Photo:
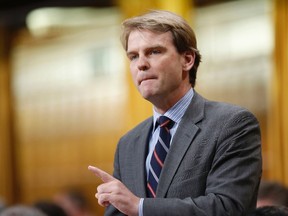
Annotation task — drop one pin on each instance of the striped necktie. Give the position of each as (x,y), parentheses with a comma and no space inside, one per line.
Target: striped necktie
(159,154)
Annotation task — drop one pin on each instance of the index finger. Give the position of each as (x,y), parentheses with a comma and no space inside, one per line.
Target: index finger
(105,177)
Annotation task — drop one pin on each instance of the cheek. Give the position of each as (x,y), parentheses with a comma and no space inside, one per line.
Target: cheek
(173,70)
(133,67)
(133,73)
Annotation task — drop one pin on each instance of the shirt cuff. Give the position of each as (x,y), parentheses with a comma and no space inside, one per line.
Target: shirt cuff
(140,207)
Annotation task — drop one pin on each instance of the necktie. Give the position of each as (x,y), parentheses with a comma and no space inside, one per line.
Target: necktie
(159,154)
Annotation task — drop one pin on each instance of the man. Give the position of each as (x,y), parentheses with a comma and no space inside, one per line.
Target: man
(213,164)
(270,211)
(21,210)
(272,193)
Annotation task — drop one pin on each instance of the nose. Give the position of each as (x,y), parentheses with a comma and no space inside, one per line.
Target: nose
(143,63)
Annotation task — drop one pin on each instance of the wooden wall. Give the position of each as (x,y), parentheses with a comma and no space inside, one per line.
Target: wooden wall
(70,102)
(6,120)
(58,115)
(278,110)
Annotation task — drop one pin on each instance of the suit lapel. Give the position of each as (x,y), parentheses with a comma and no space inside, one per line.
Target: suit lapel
(182,140)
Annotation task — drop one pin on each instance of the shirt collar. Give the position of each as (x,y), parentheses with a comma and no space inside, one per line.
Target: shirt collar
(177,111)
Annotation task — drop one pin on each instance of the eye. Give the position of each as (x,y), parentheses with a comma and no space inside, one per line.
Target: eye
(132,57)
(154,51)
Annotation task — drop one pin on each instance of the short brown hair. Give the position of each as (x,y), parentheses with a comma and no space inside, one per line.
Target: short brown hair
(164,21)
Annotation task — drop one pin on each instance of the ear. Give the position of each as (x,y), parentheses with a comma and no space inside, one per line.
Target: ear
(189,58)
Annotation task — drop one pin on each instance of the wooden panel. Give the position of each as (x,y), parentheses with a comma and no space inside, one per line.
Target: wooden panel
(70,115)
(278,115)
(6,131)
(71,102)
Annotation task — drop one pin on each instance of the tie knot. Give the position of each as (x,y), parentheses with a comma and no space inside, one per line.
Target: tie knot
(165,122)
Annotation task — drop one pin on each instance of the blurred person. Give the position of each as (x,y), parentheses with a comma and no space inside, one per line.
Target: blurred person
(49,208)
(2,204)
(213,165)
(270,211)
(21,210)
(73,202)
(272,193)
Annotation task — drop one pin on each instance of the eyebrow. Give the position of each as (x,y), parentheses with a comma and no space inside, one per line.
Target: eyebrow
(158,46)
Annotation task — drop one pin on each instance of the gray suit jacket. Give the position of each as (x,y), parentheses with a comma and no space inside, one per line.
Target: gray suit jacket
(213,166)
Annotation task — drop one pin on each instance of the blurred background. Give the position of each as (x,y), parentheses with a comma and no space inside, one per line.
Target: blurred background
(66,96)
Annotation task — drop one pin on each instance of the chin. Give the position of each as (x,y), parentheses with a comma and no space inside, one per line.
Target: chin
(146,95)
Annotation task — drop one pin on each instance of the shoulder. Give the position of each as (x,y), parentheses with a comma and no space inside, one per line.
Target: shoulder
(217,114)
(226,111)
(223,110)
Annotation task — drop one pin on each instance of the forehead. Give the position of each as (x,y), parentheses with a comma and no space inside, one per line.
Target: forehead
(139,38)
